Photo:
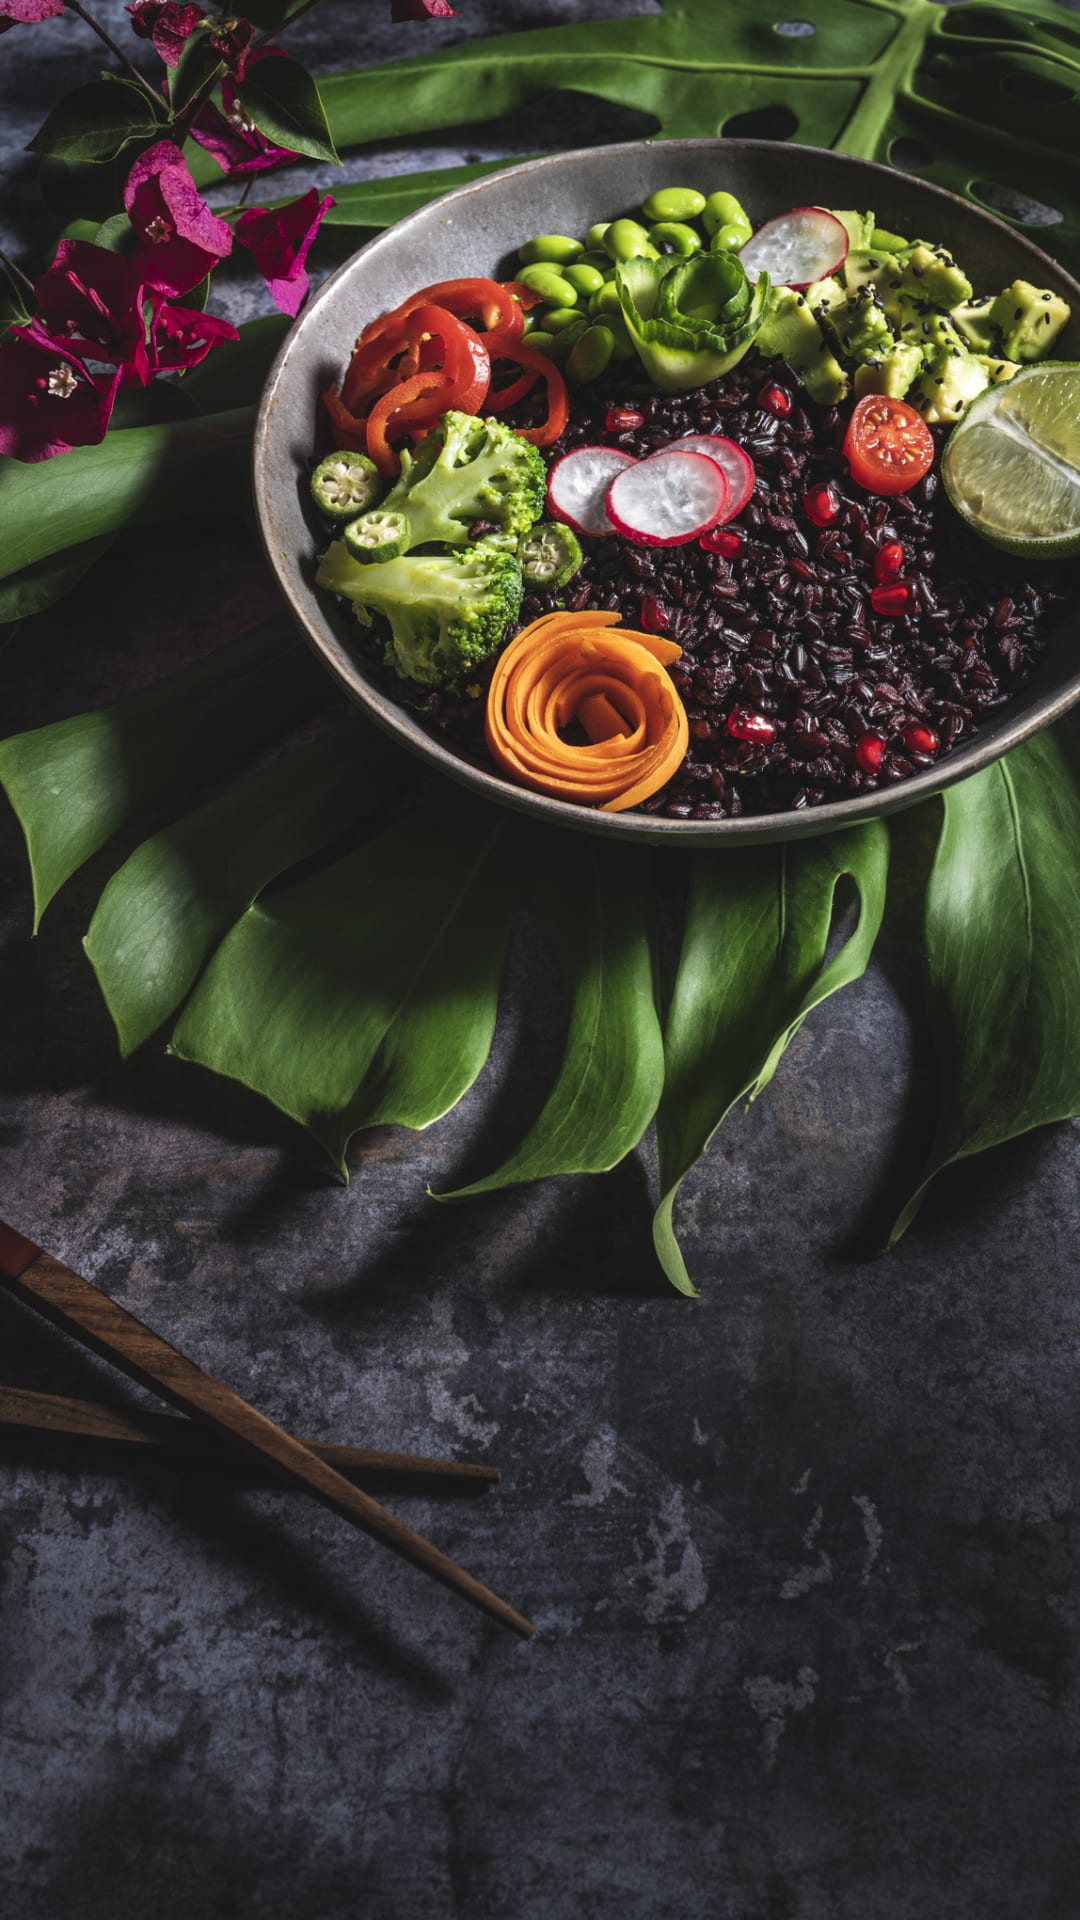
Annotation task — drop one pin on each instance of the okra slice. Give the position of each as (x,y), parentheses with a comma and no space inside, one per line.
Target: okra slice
(550,555)
(377,536)
(345,484)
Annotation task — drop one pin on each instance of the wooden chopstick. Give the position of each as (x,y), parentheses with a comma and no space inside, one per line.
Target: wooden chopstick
(161,1433)
(107,1328)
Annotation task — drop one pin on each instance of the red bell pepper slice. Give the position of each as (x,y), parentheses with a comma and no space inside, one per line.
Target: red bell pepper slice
(500,309)
(385,415)
(519,351)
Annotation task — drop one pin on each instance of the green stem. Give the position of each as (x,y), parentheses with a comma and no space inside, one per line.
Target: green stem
(95,27)
(893,69)
(272,32)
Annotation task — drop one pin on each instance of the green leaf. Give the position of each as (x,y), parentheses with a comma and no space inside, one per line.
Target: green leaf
(74,784)
(752,967)
(199,64)
(1002,953)
(47,581)
(284,102)
(366,994)
(137,474)
(379,203)
(163,913)
(116,235)
(13,308)
(96,122)
(234,374)
(598,903)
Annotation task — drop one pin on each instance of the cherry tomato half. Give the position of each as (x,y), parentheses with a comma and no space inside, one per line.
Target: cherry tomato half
(887,445)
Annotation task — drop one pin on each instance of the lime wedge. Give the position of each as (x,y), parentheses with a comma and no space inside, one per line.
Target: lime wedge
(1011,465)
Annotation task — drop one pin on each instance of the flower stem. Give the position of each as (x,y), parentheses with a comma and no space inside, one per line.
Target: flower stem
(16,272)
(272,32)
(95,27)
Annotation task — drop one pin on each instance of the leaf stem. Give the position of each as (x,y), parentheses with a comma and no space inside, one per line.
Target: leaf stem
(272,32)
(893,69)
(95,27)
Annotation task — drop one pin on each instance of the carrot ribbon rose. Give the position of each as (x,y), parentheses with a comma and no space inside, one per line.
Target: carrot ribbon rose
(570,674)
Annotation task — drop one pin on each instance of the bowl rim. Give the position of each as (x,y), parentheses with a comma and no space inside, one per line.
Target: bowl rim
(397,721)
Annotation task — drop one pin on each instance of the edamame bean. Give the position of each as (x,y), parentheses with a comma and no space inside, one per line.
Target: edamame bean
(605,300)
(628,240)
(561,343)
(541,340)
(556,249)
(589,355)
(623,347)
(596,257)
(554,291)
(673,203)
(594,239)
(584,279)
(557,319)
(725,222)
(671,236)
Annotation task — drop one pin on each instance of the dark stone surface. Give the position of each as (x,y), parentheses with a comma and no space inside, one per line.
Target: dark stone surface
(800,1553)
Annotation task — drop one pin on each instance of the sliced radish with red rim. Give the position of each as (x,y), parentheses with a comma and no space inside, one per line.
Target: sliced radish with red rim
(735,465)
(578,483)
(797,247)
(668,499)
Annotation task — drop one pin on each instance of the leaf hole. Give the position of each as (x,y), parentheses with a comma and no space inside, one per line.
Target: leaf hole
(1013,205)
(910,155)
(1036,87)
(761,123)
(794,29)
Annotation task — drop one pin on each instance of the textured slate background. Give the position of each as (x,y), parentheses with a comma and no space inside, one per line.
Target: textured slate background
(801,1553)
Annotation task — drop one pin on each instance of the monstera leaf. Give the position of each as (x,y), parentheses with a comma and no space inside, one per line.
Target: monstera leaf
(330,932)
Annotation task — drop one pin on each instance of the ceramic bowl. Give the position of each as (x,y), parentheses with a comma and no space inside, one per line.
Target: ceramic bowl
(475,231)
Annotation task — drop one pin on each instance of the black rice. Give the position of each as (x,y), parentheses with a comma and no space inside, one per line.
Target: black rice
(785,628)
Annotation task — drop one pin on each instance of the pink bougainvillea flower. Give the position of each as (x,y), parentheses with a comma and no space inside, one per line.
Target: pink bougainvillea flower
(27,13)
(232,39)
(278,240)
(181,337)
(167,23)
(231,137)
(423,10)
(49,402)
(179,240)
(89,302)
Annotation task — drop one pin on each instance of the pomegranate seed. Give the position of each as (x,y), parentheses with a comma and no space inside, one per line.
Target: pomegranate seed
(654,615)
(822,506)
(920,739)
(775,400)
(870,751)
(723,540)
(888,561)
(623,420)
(742,724)
(891,597)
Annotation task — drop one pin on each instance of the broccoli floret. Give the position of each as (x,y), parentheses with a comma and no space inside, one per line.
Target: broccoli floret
(446,611)
(468,469)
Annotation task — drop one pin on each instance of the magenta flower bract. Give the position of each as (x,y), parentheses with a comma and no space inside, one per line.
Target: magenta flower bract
(167,23)
(231,137)
(423,10)
(278,240)
(181,336)
(179,240)
(27,13)
(89,302)
(49,402)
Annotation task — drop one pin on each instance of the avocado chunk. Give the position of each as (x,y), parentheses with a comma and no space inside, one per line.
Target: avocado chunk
(997,371)
(893,374)
(931,274)
(882,241)
(859,327)
(790,331)
(1028,320)
(823,294)
(951,380)
(864,268)
(859,226)
(972,318)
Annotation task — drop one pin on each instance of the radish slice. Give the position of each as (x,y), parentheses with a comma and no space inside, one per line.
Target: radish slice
(578,483)
(667,499)
(797,247)
(735,465)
